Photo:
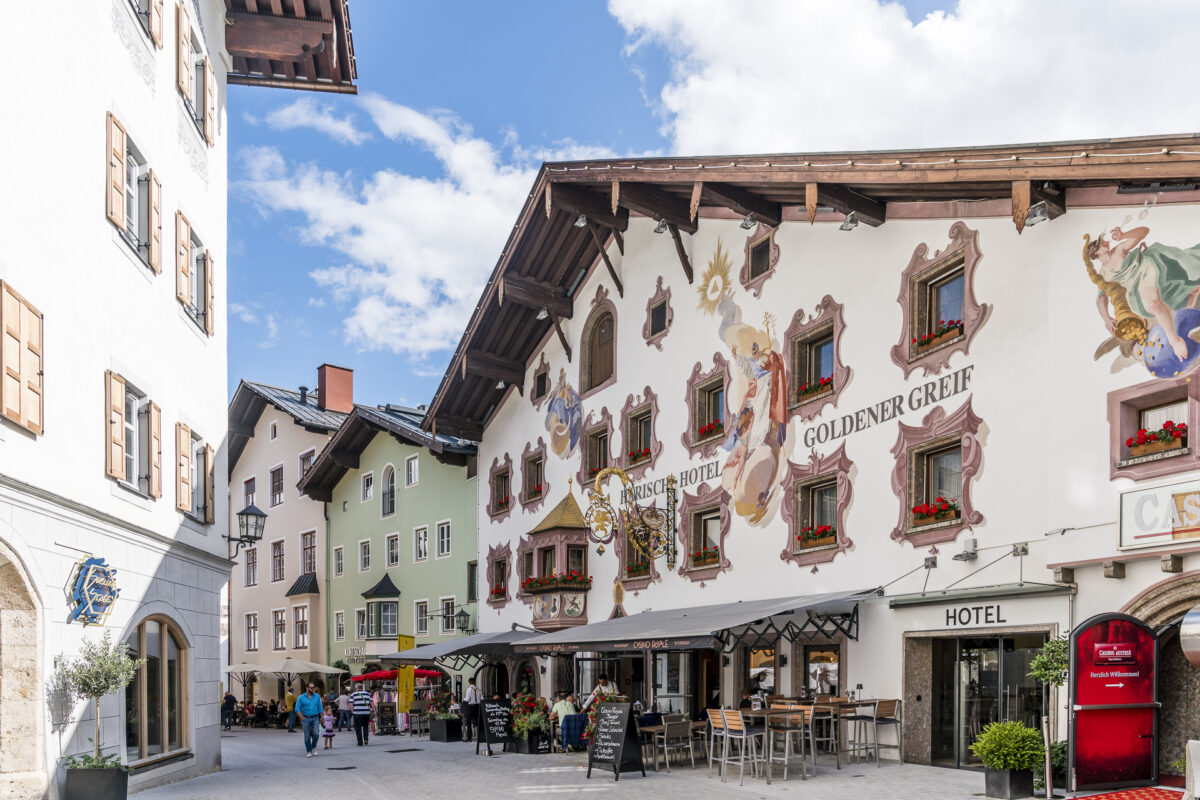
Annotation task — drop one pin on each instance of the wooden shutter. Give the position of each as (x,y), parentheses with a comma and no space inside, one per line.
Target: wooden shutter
(155,450)
(183,467)
(183,51)
(20,360)
(183,258)
(156,22)
(114,434)
(209,314)
(209,485)
(210,104)
(154,189)
(117,146)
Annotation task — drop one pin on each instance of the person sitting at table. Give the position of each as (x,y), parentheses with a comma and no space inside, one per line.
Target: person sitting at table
(747,702)
(563,708)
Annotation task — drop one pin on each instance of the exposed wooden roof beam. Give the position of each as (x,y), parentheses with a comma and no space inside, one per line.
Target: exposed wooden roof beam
(612,272)
(742,202)
(535,295)
(654,203)
(841,199)
(1026,193)
(344,460)
(574,200)
(562,338)
(683,258)
(450,425)
(279,38)
(495,368)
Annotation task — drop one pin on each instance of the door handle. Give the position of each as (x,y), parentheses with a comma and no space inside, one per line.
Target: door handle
(1146,736)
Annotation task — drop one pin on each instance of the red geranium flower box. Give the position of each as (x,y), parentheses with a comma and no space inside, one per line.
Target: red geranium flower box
(946,330)
(1170,436)
(940,510)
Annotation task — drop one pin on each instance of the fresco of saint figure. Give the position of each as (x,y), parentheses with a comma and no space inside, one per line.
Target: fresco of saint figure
(1148,299)
(564,417)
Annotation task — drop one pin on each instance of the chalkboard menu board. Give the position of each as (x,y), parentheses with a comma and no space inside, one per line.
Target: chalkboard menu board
(615,744)
(495,725)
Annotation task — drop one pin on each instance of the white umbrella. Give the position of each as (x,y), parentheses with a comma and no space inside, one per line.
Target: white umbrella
(290,668)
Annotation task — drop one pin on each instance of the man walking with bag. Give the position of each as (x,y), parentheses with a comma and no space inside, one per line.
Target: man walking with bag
(345,718)
(362,705)
(471,708)
(308,709)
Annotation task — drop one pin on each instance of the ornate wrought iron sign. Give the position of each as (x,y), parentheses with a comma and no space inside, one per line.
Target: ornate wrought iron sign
(650,531)
(94,591)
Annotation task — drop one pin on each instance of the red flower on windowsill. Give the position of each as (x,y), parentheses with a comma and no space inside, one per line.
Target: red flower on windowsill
(636,455)
(940,507)
(815,387)
(711,429)
(1168,432)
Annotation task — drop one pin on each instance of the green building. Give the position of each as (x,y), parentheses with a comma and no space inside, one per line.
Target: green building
(401,541)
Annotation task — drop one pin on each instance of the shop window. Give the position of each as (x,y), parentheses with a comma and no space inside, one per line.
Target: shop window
(1149,429)
(500,488)
(937,296)
(935,464)
(760,259)
(533,475)
(706,408)
(818,493)
(156,701)
(759,677)
(705,524)
(598,360)
(821,673)
(659,316)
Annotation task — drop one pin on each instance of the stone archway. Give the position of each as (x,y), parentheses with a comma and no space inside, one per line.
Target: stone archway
(21,695)
(1162,605)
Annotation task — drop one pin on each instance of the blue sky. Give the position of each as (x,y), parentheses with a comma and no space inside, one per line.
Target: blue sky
(361,228)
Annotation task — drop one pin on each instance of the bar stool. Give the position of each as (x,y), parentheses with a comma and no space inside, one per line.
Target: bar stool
(857,724)
(716,735)
(886,714)
(799,723)
(736,731)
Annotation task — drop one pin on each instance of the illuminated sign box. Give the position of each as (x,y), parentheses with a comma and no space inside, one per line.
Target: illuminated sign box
(1161,515)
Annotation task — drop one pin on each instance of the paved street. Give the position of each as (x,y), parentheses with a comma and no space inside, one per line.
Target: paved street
(265,765)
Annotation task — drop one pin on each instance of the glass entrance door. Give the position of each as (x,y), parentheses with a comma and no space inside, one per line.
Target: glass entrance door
(978,693)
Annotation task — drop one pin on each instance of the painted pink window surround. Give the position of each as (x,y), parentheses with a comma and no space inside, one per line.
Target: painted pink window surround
(703,499)
(826,319)
(600,305)
(543,367)
(637,406)
(498,466)
(636,584)
(533,502)
(591,425)
(819,470)
(760,233)
(707,446)
(498,553)
(1124,407)
(660,295)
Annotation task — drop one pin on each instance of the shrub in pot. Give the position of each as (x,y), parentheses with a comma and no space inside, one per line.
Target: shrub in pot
(102,668)
(531,724)
(444,724)
(1010,752)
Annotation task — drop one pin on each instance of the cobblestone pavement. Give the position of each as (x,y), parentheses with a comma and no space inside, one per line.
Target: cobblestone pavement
(266,765)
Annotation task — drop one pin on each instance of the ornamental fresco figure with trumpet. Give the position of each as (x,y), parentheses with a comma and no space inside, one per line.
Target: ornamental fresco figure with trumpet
(1152,290)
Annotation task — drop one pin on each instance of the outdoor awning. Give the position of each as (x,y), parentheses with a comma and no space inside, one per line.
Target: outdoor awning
(722,626)
(1007,591)
(480,646)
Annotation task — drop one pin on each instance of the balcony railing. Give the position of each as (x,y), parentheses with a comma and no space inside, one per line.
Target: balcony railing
(389,503)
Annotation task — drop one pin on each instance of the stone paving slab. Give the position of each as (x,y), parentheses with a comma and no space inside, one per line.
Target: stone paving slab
(270,765)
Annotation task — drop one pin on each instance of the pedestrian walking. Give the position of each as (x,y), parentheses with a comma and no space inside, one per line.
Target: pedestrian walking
(471,708)
(289,706)
(308,708)
(227,707)
(327,720)
(345,718)
(362,705)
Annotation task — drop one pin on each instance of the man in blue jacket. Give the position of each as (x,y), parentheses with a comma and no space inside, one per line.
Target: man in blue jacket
(308,709)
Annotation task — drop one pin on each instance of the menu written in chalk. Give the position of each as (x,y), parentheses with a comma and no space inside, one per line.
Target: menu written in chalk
(614,744)
(495,727)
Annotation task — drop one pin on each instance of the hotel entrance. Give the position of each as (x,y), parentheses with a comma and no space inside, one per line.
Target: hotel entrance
(977,681)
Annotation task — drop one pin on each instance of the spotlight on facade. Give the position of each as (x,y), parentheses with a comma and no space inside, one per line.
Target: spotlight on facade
(661,227)
(850,222)
(1038,212)
(543,314)
(969,551)
(500,384)
(749,222)
(581,221)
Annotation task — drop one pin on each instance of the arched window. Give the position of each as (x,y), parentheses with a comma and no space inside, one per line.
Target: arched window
(388,499)
(156,702)
(600,350)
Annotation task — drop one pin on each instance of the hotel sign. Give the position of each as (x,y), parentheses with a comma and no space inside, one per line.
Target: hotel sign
(1161,515)
(93,592)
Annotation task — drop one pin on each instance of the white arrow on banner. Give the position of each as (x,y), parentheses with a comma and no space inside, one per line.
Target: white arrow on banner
(1114,685)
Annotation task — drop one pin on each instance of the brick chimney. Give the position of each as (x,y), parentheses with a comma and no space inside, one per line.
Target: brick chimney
(335,388)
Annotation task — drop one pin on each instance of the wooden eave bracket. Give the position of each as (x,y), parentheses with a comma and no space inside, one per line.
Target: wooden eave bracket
(562,337)
(574,200)
(493,367)
(596,238)
(683,257)
(1026,194)
(654,203)
(533,294)
(274,38)
(737,200)
(843,200)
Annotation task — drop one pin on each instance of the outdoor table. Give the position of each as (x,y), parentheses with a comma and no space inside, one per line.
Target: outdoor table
(652,730)
(834,710)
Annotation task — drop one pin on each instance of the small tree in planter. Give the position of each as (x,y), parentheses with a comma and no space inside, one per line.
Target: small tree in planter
(444,724)
(1010,752)
(102,668)
(1049,668)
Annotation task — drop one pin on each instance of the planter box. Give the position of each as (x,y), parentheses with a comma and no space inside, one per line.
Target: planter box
(945,515)
(1008,784)
(445,730)
(804,398)
(636,574)
(558,587)
(711,562)
(534,744)
(1150,448)
(809,544)
(949,335)
(97,784)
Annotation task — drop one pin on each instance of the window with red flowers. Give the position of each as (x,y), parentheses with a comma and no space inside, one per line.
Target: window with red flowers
(533,476)
(640,442)
(499,560)
(704,523)
(500,500)
(818,494)
(1149,428)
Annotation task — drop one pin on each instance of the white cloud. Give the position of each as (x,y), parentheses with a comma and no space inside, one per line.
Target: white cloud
(243,312)
(306,112)
(316,302)
(780,75)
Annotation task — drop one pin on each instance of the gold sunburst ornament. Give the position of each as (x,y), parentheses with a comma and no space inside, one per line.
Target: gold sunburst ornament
(715,282)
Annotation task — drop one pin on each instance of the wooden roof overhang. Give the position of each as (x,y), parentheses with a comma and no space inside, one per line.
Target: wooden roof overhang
(575,211)
(291,44)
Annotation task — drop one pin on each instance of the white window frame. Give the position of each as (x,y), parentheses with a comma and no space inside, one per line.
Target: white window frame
(310,452)
(339,626)
(420,544)
(296,627)
(250,646)
(282,611)
(137,219)
(395,604)
(366,487)
(391,548)
(449,538)
(137,427)
(199,479)
(412,471)
(339,561)
(197,305)
(302,564)
(421,617)
(359,553)
(383,490)
(447,620)
(274,430)
(283,545)
(360,624)
(249,498)
(247,574)
(271,486)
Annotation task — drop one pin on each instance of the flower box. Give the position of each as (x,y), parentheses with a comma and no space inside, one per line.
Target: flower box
(637,456)
(571,582)
(1169,437)
(445,730)
(944,332)
(97,783)
(502,505)
(941,516)
(819,541)
(811,391)
(533,744)
(1150,448)
(711,429)
(705,562)
(534,492)
(637,570)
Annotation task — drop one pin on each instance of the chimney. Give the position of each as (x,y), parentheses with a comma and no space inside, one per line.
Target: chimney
(303,395)
(335,388)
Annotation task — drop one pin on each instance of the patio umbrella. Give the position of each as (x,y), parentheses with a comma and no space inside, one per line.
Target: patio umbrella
(380,675)
(242,673)
(291,668)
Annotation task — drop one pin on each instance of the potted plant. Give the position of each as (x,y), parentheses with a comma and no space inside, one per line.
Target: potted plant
(940,510)
(636,456)
(946,330)
(715,428)
(530,724)
(535,492)
(1010,752)
(502,503)
(706,556)
(1049,668)
(817,536)
(444,724)
(102,668)
(1145,442)
(637,569)
(809,391)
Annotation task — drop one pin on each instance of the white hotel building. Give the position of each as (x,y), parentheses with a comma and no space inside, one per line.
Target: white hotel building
(113,270)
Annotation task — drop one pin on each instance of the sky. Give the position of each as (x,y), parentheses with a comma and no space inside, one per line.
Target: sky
(362,228)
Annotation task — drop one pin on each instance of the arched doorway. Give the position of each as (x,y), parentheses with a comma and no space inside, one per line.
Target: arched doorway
(1162,607)
(493,679)
(21,695)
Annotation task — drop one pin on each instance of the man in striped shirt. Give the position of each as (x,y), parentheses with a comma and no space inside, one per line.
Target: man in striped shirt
(362,705)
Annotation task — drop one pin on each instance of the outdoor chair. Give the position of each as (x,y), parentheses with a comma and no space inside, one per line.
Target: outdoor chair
(676,735)
(793,726)
(886,714)
(716,736)
(260,717)
(736,730)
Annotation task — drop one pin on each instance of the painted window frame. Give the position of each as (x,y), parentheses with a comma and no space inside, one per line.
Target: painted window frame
(339,561)
(360,624)
(661,297)
(281,559)
(299,635)
(449,538)
(339,626)
(762,236)
(366,487)
(282,495)
(499,467)
(421,618)
(387,495)
(415,461)
(307,552)
(278,630)
(420,541)
(443,619)
(704,499)
(499,556)
(1124,407)
(250,631)
(360,553)
(636,407)
(600,305)
(391,550)
(594,423)
(818,471)
(699,381)
(827,319)
(529,500)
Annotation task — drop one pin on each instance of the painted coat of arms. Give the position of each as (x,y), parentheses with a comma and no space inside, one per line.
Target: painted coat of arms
(94,591)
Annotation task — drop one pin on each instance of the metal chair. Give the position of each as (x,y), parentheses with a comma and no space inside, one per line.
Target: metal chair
(716,731)
(799,723)
(736,730)
(676,735)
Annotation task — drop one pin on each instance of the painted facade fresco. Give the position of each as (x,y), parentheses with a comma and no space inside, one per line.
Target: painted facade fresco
(1148,299)
(757,415)
(564,417)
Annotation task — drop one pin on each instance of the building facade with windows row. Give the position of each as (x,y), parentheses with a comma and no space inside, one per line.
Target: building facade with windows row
(921,412)
(113,451)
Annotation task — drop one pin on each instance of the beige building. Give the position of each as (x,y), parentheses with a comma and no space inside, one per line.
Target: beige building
(275,608)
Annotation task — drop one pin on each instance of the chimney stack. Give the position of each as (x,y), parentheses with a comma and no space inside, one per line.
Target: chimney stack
(335,388)
(303,395)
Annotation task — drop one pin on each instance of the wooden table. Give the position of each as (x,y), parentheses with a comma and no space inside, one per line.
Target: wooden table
(833,710)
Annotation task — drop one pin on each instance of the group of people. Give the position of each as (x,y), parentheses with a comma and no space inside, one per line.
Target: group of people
(318,717)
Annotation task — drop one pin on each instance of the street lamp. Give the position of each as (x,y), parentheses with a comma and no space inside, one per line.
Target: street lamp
(462,620)
(251,522)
